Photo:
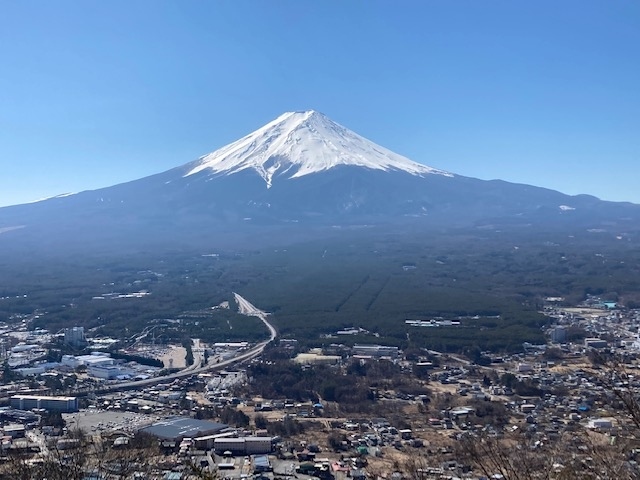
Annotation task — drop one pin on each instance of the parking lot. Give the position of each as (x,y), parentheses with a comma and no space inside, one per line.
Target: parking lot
(105,421)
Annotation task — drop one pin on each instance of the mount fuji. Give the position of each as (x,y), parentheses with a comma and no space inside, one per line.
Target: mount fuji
(300,171)
(302,143)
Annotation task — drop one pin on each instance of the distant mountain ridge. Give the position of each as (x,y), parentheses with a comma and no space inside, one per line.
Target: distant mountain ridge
(300,171)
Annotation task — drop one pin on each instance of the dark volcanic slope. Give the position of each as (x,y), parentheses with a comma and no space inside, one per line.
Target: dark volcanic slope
(169,208)
(295,176)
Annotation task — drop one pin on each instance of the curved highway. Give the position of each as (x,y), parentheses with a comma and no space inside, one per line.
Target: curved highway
(244,308)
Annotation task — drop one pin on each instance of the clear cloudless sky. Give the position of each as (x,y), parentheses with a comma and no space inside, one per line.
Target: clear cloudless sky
(542,92)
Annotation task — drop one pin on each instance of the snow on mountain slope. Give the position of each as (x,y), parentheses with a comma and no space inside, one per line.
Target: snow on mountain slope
(301,143)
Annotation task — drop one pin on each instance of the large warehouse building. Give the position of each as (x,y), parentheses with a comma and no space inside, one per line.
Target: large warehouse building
(177,428)
(243,445)
(58,404)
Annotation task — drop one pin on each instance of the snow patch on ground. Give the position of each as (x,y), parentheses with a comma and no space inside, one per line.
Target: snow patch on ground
(9,229)
(62,195)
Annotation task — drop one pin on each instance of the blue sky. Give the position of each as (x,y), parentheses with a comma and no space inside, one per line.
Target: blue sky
(97,93)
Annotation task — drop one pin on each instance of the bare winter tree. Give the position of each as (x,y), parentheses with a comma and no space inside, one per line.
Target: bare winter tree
(75,459)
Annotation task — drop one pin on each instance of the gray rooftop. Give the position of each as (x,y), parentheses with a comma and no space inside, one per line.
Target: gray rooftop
(182,427)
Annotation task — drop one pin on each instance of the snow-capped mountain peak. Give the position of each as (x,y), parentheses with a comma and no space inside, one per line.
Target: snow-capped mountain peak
(301,143)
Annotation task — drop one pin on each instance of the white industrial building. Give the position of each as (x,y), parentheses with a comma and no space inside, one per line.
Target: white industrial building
(108,372)
(26,371)
(95,359)
(60,404)
(243,445)
(99,365)
(376,351)
(21,347)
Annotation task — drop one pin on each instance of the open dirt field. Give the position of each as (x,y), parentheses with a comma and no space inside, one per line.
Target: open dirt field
(174,357)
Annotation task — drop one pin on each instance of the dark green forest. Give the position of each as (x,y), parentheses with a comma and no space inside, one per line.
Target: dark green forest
(493,282)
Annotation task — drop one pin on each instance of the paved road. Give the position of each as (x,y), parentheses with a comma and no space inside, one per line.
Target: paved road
(245,308)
